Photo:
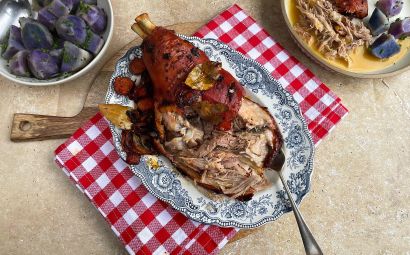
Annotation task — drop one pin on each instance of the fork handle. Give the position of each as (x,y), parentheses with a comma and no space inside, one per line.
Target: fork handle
(311,246)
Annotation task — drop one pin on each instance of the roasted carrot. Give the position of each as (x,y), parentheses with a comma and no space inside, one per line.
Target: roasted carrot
(145,104)
(137,66)
(123,85)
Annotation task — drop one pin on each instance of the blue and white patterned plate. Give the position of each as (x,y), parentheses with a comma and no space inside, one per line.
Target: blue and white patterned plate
(167,184)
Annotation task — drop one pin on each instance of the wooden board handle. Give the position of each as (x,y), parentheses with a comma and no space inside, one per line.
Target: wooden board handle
(33,127)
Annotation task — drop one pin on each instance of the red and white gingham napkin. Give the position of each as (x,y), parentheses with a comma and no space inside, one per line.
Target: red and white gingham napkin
(143,223)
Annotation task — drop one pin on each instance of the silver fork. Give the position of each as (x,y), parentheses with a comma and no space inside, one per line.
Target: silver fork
(311,246)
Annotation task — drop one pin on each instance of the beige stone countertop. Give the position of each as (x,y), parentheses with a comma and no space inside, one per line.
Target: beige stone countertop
(360,198)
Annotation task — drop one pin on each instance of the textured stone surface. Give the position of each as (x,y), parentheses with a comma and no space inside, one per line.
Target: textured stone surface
(359,203)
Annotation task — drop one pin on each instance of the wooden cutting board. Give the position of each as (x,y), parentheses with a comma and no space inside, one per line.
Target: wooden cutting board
(32,127)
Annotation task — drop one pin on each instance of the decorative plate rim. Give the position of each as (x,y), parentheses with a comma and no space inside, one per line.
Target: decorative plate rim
(218,221)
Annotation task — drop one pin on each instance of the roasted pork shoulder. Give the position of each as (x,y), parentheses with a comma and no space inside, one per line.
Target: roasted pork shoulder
(215,135)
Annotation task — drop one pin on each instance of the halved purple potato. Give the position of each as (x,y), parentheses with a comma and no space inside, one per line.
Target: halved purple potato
(18,64)
(400,29)
(46,18)
(42,65)
(74,58)
(60,7)
(94,16)
(378,22)
(385,46)
(72,29)
(93,42)
(35,35)
(390,7)
(14,43)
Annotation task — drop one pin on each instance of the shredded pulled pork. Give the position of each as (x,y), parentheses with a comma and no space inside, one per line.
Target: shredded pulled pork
(336,35)
(233,161)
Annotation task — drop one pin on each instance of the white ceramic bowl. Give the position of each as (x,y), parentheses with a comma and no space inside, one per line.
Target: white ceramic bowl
(401,65)
(106,5)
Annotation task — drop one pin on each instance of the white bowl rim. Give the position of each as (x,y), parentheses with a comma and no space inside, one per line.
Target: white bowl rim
(323,63)
(77,74)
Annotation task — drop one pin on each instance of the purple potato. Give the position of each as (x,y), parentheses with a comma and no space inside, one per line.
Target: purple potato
(60,7)
(93,43)
(94,16)
(72,28)
(400,29)
(18,64)
(43,2)
(390,7)
(74,58)
(35,35)
(384,47)
(42,65)
(58,54)
(14,43)
(46,18)
(378,22)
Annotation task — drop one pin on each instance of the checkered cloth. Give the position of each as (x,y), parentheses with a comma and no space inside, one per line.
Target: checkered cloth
(143,223)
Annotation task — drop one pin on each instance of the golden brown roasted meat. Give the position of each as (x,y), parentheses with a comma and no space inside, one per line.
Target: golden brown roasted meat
(169,60)
(215,135)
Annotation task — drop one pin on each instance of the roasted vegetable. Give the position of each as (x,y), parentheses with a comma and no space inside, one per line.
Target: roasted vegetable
(42,65)
(72,28)
(35,35)
(134,146)
(46,18)
(378,22)
(137,66)
(18,64)
(94,16)
(14,43)
(74,58)
(93,42)
(60,7)
(123,85)
(385,46)
(204,76)
(117,115)
(390,7)
(400,29)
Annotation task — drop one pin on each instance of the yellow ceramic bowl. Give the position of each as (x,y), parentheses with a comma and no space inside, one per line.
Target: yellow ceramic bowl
(363,64)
